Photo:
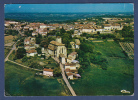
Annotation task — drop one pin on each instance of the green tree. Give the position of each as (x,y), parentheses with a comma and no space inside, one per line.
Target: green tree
(127,32)
(38,39)
(44,43)
(98,33)
(62,31)
(57,72)
(24,59)
(39,50)
(21,53)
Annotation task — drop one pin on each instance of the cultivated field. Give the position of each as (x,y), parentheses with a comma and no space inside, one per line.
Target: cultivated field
(128,48)
(118,76)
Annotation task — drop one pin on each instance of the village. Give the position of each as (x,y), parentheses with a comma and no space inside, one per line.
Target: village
(60,43)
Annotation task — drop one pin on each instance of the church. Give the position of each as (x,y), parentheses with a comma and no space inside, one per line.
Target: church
(57,49)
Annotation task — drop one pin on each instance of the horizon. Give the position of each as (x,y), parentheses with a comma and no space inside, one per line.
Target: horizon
(70,8)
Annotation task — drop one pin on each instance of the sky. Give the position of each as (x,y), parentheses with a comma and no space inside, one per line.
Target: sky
(99,7)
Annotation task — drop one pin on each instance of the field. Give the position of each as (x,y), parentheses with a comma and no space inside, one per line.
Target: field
(8,39)
(118,76)
(6,51)
(20,81)
(48,63)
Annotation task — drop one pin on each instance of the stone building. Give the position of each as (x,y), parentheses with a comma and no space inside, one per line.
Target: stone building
(56,48)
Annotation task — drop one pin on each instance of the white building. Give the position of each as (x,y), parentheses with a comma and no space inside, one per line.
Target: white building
(88,30)
(31,53)
(48,72)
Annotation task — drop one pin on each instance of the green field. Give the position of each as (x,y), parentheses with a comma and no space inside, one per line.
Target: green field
(20,81)
(6,51)
(47,63)
(119,74)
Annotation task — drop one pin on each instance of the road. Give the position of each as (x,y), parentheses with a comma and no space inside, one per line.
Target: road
(64,77)
(13,48)
(24,65)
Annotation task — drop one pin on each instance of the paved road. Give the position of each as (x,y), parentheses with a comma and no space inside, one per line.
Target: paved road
(64,77)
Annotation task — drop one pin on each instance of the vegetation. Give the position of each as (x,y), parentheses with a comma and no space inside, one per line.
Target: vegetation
(21,52)
(66,37)
(20,81)
(11,32)
(119,74)
(87,56)
(6,51)
(28,33)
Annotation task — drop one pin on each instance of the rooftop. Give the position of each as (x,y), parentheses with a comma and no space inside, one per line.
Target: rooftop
(73,53)
(31,51)
(57,43)
(49,70)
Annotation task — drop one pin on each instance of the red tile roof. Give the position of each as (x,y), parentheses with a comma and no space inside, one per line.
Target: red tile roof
(49,70)
(69,74)
(31,51)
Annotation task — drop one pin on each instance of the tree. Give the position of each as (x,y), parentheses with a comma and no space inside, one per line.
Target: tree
(21,53)
(38,39)
(12,25)
(62,30)
(86,47)
(45,22)
(44,43)
(80,70)
(24,59)
(98,33)
(127,32)
(57,72)
(39,50)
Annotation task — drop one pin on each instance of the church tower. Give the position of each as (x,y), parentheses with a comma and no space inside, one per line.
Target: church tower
(58,39)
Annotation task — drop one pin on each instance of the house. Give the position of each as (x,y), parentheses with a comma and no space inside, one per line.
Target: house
(73,55)
(34,34)
(31,53)
(72,45)
(77,43)
(72,66)
(88,30)
(31,28)
(48,72)
(43,26)
(27,41)
(70,76)
(107,27)
(116,26)
(55,48)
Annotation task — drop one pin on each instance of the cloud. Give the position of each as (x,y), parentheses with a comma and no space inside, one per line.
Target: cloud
(19,6)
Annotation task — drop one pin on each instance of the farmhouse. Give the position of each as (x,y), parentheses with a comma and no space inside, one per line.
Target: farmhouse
(31,53)
(48,72)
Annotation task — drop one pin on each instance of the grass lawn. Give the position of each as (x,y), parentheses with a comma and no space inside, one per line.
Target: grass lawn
(48,63)
(20,81)
(6,51)
(118,76)
(109,49)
